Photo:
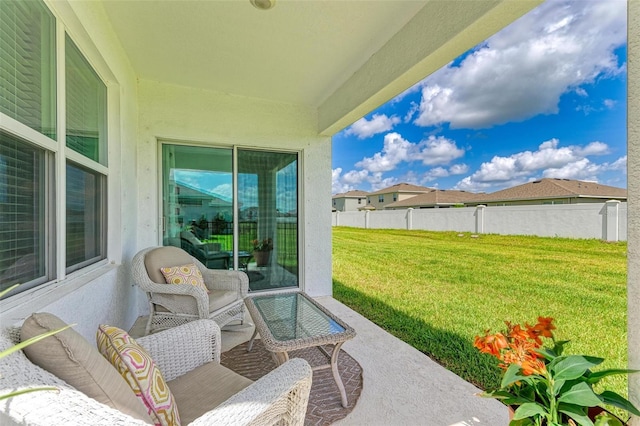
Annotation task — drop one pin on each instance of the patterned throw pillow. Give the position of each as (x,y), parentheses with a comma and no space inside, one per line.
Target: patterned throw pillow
(140,372)
(184,274)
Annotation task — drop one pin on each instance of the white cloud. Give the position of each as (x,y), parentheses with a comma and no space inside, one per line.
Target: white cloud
(378,183)
(609,103)
(549,160)
(224,191)
(348,181)
(379,123)
(431,151)
(619,164)
(435,173)
(594,148)
(458,169)
(582,169)
(523,70)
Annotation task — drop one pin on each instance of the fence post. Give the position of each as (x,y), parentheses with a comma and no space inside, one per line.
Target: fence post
(410,218)
(480,219)
(337,218)
(366,219)
(611,218)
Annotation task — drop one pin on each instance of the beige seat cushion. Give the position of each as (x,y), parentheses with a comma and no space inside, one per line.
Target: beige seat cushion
(204,388)
(220,298)
(164,257)
(70,357)
(217,299)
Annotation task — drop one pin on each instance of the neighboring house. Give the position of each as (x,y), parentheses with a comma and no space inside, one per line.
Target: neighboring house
(394,193)
(438,198)
(543,191)
(349,201)
(554,191)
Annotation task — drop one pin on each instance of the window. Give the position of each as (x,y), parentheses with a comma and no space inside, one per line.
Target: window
(395,197)
(381,198)
(29,175)
(359,200)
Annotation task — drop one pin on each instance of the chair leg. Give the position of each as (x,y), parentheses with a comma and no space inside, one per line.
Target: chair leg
(147,329)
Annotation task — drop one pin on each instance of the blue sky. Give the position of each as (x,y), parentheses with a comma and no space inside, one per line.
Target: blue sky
(545,97)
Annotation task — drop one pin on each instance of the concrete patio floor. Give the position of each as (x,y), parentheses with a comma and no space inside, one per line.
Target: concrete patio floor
(401,386)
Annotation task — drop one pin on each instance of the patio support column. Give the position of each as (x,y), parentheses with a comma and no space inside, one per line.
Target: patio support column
(633,206)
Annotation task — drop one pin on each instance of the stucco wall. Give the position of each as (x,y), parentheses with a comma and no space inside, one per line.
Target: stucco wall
(633,185)
(570,221)
(169,112)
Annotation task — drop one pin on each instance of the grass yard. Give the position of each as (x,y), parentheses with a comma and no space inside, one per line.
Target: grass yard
(437,290)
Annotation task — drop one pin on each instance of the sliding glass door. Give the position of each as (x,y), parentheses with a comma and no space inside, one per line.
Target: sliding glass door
(258,234)
(268,216)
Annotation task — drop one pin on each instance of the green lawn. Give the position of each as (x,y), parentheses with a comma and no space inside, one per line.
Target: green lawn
(437,290)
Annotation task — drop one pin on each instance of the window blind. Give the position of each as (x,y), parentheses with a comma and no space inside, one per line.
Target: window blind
(22,212)
(86,107)
(27,64)
(84,217)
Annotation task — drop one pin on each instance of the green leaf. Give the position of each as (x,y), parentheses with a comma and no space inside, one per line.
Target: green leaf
(571,367)
(511,376)
(7,290)
(22,392)
(612,398)
(580,394)
(530,409)
(28,342)
(521,422)
(607,419)
(598,375)
(547,353)
(506,397)
(558,347)
(577,413)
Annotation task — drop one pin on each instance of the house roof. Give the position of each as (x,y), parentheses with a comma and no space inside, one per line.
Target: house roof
(437,197)
(402,187)
(557,188)
(351,194)
(332,57)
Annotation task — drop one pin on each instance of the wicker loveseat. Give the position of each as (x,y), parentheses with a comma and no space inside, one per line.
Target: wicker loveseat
(280,397)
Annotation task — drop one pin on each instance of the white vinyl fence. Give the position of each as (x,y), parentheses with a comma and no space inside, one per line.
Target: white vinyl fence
(606,221)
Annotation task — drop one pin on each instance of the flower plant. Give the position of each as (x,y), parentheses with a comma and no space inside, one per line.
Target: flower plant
(547,387)
(262,245)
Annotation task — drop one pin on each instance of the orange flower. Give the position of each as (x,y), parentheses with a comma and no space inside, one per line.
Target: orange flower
(543,328)
(491,343)
(533,366)
(516,332)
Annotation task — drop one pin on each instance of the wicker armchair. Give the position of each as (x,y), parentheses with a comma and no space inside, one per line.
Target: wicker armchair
(279,397)
(171,305)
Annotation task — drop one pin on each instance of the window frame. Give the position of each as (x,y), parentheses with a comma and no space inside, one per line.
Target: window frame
(57,155)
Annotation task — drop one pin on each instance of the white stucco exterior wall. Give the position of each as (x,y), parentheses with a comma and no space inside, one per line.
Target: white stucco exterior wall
(633,192)
(169,112)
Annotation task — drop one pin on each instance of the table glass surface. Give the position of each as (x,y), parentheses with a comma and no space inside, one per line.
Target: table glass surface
(293,316)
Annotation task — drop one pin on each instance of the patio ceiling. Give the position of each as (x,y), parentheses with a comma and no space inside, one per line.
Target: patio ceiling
(343,58)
